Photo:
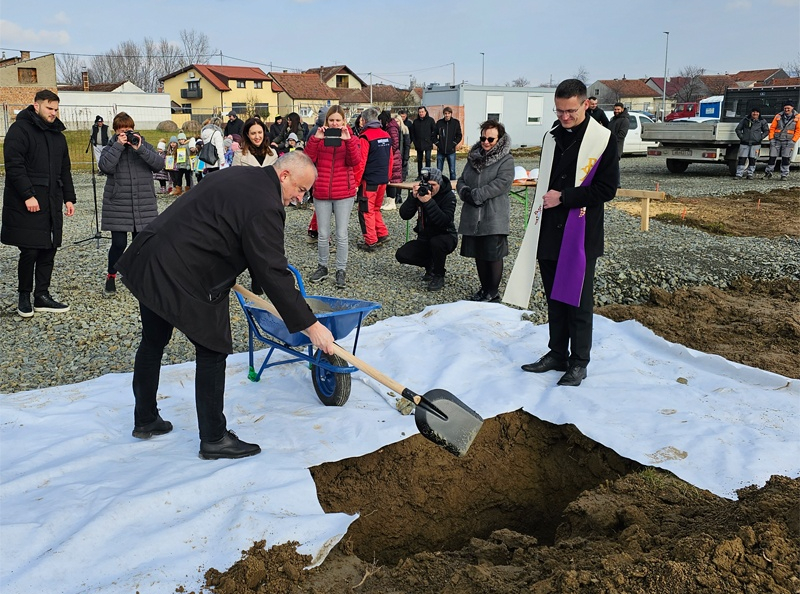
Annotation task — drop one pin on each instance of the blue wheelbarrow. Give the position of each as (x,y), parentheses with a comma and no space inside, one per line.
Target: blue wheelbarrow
(330,374)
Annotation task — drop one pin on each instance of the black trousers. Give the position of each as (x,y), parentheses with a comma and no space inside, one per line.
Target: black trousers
(570,327)
(119,241)
(426,153)
(429,253)
(209,381)
(35,264)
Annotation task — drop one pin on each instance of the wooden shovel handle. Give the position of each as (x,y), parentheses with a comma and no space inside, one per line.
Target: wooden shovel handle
(337,350)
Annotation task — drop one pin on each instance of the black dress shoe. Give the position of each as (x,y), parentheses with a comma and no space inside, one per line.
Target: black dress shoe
(157,427)
(479,295)
(574,376)
(229,446)
(546,363)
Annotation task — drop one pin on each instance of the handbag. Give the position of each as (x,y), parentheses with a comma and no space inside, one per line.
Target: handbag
(208,154)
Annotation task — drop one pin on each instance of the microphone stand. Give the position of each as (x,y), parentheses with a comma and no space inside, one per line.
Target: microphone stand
(97,234)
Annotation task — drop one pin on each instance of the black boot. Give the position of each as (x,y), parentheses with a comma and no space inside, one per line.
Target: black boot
(24,308)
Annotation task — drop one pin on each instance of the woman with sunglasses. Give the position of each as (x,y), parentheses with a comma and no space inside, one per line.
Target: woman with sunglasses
(484,226)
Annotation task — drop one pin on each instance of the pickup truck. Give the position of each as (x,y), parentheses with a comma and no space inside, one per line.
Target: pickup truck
(686,142)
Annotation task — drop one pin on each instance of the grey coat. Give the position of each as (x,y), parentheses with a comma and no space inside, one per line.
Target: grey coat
(752,132)
(129,198)
(489,176)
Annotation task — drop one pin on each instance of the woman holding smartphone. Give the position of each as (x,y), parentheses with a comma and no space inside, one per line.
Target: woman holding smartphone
(335,154)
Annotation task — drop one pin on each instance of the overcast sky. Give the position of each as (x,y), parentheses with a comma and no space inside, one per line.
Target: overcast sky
(535,39)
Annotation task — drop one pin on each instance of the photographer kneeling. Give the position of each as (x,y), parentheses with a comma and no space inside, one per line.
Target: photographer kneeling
(129,198)
(435,203)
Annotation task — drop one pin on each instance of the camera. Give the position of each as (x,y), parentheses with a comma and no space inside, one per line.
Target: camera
(424,184)
(133,140)
(333,137)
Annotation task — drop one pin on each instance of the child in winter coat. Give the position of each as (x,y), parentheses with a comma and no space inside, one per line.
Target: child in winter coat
(163,177)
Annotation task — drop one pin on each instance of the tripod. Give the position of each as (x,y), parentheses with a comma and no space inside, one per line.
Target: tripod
(97,234)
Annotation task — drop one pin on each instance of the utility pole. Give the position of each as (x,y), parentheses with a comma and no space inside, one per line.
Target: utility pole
(483,68)
(664,89)
(370,88)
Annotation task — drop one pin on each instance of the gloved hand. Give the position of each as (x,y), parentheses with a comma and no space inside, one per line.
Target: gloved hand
(465,193)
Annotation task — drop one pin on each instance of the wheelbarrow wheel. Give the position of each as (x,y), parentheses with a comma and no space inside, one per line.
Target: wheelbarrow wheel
(333,389)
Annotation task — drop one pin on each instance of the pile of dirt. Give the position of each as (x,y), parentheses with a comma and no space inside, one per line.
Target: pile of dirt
(751,214)
(536,507)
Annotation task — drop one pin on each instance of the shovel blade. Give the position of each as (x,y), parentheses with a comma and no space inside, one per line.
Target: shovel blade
(446,421)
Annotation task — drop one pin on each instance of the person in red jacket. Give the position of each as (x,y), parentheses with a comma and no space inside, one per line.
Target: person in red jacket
(372,175)
(335,189)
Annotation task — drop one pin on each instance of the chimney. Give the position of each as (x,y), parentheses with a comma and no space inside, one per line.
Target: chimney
(24,55)
(85,79)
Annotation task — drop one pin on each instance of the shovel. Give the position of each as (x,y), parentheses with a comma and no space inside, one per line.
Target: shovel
(440,416)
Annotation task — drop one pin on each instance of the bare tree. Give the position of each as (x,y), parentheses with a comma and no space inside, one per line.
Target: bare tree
(582,74)
(519,82)
(70,67)
(693,89)
(196,47)
(142,64)
(792,67)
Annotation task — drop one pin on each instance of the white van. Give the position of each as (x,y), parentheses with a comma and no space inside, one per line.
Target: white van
(633,141)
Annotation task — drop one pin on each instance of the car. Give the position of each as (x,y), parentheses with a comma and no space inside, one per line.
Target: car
(634,145)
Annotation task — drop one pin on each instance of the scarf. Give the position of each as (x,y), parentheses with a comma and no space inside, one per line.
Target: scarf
(480,159)
(571,267)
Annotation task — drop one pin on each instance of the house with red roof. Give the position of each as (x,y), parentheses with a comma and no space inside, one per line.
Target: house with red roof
(634,93)
(201,90)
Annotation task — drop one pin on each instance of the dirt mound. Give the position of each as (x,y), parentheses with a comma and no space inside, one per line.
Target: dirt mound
(754,322)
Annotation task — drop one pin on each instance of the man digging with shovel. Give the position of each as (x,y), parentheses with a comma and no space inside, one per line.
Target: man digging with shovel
(181,268)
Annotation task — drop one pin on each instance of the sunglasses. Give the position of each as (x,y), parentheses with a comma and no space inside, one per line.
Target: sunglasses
(488,139)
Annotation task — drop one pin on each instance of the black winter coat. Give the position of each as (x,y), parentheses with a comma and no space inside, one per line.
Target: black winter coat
(184,263)
(619,126)
(234,127)
(37,164)
(593,197)
(129,198)
(436,216)
(424,133)
(448,135)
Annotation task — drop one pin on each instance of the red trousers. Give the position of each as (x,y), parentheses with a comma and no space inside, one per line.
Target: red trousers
(369,210)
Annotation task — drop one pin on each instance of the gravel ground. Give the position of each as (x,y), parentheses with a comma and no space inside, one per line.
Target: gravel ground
(99,334)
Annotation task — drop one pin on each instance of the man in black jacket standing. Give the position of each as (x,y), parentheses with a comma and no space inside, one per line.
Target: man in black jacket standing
(596,112)
(435,207)
(181,268)
(448,134)
(619,126)
(38,183)
(234,125)
(98,138)
(582,179)
(423,136)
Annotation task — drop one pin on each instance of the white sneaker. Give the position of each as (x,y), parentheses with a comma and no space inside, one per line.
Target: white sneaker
(389,205)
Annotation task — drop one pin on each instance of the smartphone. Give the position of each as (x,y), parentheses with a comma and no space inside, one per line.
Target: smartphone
(333,137)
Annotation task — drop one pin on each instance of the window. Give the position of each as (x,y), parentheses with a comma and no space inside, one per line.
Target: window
(27,76)
(258,84)
(342,81)
(239,108)
(494,107)
(535,110)
(240,84)
(262,109)
(194,85)
(186,108)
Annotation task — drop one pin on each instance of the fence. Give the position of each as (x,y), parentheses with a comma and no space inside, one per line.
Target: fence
(81,117)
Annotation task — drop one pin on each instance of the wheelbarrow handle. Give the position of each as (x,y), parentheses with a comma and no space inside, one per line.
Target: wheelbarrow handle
(337,350)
